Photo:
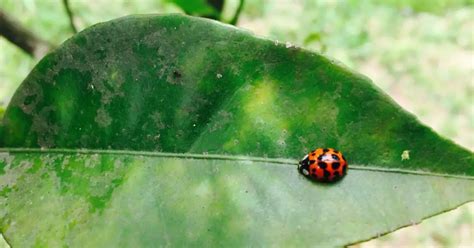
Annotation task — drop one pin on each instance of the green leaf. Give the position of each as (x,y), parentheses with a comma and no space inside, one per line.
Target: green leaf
(2,112)
(197,7)
(97,199)
(316,38)
(101,142)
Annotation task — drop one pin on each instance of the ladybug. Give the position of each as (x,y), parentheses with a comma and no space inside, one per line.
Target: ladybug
(324,165)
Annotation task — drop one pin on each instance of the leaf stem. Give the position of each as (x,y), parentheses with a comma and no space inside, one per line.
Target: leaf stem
(235,19)
(70,15)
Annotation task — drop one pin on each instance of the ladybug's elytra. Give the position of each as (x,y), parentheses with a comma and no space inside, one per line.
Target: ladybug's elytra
(324,165)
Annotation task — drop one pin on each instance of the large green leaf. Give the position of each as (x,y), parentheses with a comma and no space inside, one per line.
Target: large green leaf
(139,86)
(100,199)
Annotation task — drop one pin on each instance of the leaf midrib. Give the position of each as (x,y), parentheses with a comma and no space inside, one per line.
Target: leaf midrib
(276,161)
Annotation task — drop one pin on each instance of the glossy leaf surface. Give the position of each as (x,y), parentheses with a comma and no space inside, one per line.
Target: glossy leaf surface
(177,84)
(180,84)
(117,199)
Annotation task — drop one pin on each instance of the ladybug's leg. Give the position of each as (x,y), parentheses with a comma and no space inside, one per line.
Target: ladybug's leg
(303,166)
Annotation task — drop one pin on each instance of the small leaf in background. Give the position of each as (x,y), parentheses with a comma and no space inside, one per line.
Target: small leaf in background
(315,38)
(199,8)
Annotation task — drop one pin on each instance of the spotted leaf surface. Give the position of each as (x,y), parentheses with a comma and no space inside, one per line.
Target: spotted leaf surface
(181,84)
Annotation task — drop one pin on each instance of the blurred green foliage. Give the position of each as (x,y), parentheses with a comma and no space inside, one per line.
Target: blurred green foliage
(432,6)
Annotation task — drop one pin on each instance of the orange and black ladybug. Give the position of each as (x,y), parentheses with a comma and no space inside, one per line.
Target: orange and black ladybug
(324,165)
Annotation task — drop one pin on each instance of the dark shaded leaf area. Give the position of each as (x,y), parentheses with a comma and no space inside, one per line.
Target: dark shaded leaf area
(181,84)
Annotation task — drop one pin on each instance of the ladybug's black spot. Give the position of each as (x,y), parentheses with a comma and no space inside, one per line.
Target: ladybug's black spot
(327,174)
(320,157)
(344,168)
(335,157)
(313,154)
(322,165)
(311,162)
(335,165)
(313,171)
(325,150)
(336,151)
(336,176)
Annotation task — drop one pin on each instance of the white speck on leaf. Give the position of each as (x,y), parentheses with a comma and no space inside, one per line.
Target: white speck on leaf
(405,155)
(219,75)
(288,44)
